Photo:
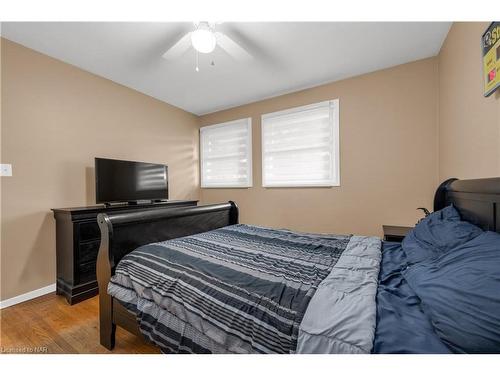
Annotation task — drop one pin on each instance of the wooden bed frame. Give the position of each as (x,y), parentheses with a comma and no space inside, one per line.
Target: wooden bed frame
(122,233)
(476,200)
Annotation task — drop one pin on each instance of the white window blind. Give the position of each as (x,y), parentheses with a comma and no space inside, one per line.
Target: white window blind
(226,154)
(300,146)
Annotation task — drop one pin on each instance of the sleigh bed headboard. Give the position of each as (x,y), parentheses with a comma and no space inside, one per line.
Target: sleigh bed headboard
(478,201)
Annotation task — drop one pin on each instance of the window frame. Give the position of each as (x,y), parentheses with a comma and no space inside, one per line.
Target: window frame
(334,110)
(249,184)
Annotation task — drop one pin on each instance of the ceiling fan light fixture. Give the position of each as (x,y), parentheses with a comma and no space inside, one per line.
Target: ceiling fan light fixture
(203,40)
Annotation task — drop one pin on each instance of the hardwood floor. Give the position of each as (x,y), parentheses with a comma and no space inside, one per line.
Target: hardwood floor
(49,325)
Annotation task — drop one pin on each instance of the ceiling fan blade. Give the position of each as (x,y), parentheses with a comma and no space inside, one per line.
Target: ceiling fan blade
(232,48)
(178,48)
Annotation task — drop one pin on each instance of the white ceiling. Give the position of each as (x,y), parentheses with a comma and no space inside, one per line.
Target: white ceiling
(287,56)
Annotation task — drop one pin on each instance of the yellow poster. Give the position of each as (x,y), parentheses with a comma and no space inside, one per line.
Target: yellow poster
(491,58)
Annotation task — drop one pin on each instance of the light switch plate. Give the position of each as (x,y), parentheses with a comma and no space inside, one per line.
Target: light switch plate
(5,169)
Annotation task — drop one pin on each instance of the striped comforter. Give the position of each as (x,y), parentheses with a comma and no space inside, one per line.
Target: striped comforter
(237,289)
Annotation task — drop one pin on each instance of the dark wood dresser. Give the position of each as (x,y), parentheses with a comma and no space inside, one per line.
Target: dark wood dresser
(395,233)
(77,243)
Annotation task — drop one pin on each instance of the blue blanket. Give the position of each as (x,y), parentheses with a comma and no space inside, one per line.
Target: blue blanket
(402,326)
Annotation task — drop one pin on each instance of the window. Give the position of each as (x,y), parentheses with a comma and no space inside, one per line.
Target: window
(300,146)
(226,154)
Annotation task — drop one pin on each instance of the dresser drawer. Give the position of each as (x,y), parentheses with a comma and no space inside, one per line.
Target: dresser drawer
(89,231)
(77,245)
(87,272)
(87,251)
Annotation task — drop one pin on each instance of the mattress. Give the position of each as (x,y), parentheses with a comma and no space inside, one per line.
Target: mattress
(248,289)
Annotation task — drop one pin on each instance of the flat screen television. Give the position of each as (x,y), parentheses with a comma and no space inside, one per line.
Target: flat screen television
(129,181)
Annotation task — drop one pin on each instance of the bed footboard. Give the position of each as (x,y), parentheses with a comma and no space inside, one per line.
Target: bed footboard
(122,233)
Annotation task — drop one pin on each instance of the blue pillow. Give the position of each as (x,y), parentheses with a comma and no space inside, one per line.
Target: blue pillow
(436,234)
(448,213)
(460,292)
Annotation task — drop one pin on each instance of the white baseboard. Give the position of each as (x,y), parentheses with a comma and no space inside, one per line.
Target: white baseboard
(27,296)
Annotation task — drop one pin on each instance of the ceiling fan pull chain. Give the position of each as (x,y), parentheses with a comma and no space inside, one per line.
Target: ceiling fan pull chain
(197,68)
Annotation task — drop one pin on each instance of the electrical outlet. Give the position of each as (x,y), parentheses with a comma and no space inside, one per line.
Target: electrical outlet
(5,170)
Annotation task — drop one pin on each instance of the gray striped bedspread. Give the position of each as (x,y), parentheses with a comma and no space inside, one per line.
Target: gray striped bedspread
(248,289)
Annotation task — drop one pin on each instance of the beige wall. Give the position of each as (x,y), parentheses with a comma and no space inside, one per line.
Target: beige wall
(388,151)
(55,119)
(1,178)
(403,130)
(469,123)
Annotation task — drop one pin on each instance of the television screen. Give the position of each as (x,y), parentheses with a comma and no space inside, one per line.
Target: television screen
(129,181)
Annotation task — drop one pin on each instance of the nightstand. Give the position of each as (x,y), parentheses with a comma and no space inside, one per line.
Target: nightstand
(395,233)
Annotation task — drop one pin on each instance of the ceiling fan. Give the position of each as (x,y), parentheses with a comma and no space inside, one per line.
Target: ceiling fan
(204,39)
